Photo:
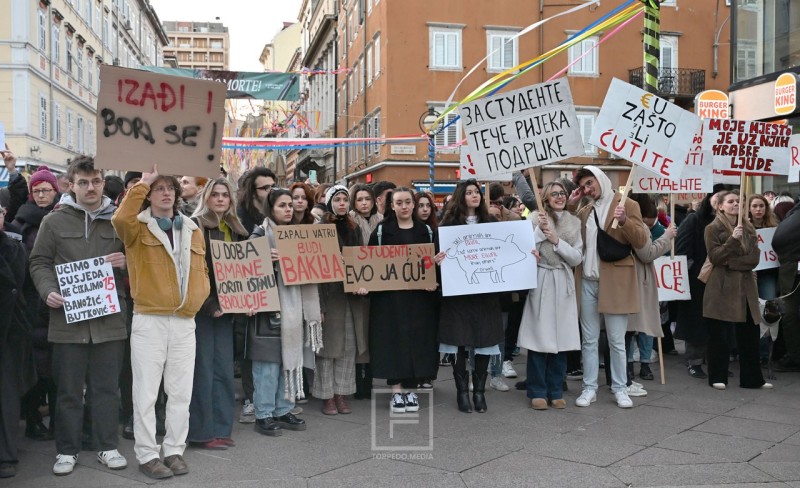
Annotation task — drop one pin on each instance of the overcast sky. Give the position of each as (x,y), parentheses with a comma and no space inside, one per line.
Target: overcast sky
(251,23)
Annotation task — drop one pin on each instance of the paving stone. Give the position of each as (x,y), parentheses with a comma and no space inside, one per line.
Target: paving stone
(780,453)
(655,456)
(751,429)
(767,413)
(698,403)
(785,471)
(668,417)
(692,474)
(793,440)
(456,456)
(574,447)
(619,429)
(728,447)
(408,480)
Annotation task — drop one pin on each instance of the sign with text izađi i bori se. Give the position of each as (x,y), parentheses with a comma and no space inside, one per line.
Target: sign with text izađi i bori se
(145,118)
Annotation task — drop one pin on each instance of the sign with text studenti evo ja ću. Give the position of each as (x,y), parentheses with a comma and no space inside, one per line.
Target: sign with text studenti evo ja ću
(89,289)
(645,129)
(511,131)
(145,118)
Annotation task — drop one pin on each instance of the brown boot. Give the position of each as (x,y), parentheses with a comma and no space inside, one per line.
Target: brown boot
(341,404)
(176,464)
(329,407)
(155,469)
(538,404)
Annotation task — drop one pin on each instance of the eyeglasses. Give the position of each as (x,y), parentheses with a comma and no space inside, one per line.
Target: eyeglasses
(264,188)
(588,184)
(556,194)
(43,191)
(164,189)
(84,184)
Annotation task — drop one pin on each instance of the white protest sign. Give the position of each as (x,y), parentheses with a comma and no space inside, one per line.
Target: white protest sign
(88,288)
(468,168)
(2,137)
(487,258)
(520,129)
(672,278)
(696,177)
(645,129)
(769,258)
(757,148)
(794,167)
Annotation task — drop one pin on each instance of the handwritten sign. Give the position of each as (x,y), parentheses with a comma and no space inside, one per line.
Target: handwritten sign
(385,268)
(244,277)
(769,258)
(520,129)
(645,129)
(88,288)
(469,170)
(757,148)
(672,278)
(695,181)
(144,117)
(794,167)
(309,254)
(484,258)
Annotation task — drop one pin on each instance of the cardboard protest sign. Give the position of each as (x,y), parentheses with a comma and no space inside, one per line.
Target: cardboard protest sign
(468,170)
(645,129)
(756,148)
(769,258)
(520,129)
(89,289)
(244,277)
(794,167)
(145,117)
(487,258)
(385,268)
(695,181)
(309,254)
(672,278)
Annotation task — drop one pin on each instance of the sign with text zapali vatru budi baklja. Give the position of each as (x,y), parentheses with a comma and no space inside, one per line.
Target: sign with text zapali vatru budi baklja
(645,129)
(755,148)
(244,277)
(89,289)
(389,267)
(309,254)
(524,128)
(145,118)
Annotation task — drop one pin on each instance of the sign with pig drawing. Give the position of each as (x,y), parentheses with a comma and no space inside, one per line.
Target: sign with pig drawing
(487,258)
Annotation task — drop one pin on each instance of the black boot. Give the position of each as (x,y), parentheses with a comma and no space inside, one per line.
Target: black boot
(462,390)
(478,390)
(359,394)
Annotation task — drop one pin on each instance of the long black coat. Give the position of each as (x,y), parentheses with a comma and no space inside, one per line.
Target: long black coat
(690,324)
(402,324)
(15,329)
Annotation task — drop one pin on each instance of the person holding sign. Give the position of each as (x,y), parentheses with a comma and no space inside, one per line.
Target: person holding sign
(211,408)
(760,214)
(618,297)
(466,321)
(90,351)
(345,331)
(402,323)
(730,300)
(275,340)
(549,324)
(169,284)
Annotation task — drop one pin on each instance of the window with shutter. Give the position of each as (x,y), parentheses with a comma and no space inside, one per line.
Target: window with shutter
(445,47)
(588,64)
(42,116)
(586,124)
(502,51)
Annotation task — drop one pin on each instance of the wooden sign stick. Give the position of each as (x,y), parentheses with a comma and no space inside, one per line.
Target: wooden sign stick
(535,188)
(672,221)
(742,198)
(625,190)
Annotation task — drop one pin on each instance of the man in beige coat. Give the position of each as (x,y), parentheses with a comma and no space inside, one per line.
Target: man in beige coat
(618,297)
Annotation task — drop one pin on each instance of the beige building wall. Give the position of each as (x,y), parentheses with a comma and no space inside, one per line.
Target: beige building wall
(198,45)
(279,53)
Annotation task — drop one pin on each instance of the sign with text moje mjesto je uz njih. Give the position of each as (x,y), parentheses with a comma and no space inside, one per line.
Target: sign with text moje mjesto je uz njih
(755,148)
(644,129)
(89,289)
(244,277)
(511,131)
(145,118)
(487,258)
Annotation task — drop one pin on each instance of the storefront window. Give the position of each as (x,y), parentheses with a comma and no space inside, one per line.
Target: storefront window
(767,37)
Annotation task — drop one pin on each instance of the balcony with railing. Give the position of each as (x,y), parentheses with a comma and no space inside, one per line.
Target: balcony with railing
(677,83)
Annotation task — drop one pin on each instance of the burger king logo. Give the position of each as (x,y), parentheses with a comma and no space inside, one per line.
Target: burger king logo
(785,94)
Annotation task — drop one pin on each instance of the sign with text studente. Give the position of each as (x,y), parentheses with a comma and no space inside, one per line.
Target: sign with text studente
(389,267)
(757,148)
(309,253)
(244,277)
(672,278)
(769,258)
(511,131)
(89,289)
(645,129)
(145,117)
(488,258)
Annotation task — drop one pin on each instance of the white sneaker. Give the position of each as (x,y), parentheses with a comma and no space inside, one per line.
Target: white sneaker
(498,384)
(508,370)
(113,459)
(412,402)
(623,400)
(636,390)
(587,398)
(65,463)
(398,403)
(248,415)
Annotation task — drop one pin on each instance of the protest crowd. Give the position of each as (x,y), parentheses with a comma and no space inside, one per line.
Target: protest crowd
(157,363)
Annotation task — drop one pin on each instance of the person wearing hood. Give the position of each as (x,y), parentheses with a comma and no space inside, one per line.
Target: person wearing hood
(619,295)
(89,351)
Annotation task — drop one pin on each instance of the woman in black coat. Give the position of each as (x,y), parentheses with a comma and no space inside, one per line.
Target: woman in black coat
(402,325)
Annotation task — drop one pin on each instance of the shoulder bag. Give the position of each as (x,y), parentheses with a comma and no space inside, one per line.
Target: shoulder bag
(609,249)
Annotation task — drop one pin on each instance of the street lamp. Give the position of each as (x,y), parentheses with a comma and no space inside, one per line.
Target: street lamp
(426,121)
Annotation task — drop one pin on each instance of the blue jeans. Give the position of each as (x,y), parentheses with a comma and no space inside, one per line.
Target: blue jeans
(268,398)
(546,375)
(645,343)
(616,326)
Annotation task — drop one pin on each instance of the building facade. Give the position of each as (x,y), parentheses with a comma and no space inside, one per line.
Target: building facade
(198,45)
(400,69)
(50,53)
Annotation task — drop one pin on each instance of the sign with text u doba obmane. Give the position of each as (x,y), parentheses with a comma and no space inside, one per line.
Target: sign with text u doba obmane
(645,129)
(511,131)
(757,148)
(244,277)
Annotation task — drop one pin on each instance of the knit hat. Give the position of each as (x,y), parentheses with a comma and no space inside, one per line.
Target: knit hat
(332,192)
(131,175)
(42,174)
